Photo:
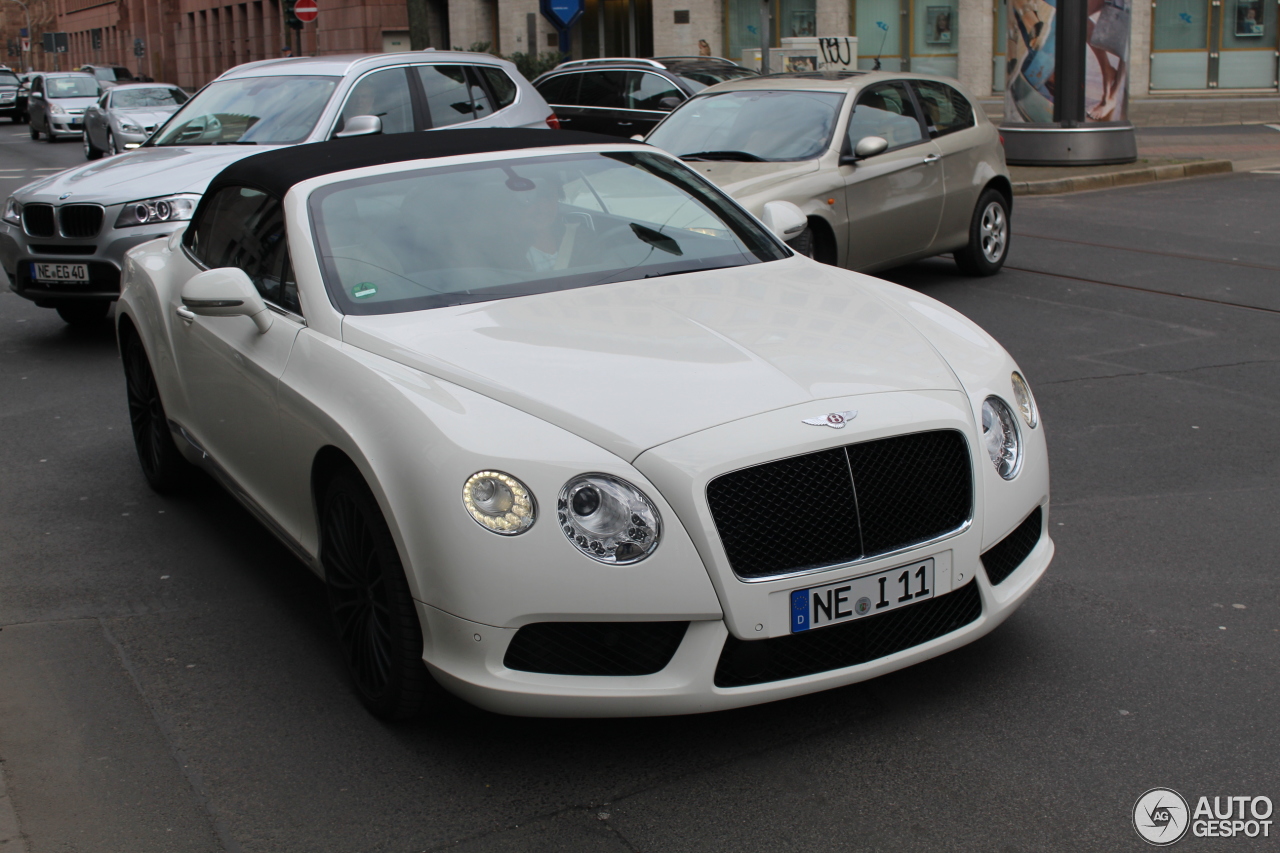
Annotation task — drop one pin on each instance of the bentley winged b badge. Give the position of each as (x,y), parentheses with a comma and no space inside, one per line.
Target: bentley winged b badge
(835,420)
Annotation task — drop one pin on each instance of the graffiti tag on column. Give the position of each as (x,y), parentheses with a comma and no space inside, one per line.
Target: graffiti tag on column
(836,51)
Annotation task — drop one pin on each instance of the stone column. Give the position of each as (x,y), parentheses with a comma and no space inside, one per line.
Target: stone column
(705,23)
(1139,61)
(976,45)
(834,18)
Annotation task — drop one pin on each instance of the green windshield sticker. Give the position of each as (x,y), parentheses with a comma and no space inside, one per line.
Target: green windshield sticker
(363,289)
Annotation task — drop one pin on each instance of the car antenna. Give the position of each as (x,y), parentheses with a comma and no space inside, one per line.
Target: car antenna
(885,27)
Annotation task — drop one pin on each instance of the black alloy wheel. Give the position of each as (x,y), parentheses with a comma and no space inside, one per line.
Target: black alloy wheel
(372,608)
(162,464)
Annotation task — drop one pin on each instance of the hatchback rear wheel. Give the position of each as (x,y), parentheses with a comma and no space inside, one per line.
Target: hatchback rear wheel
(988,236)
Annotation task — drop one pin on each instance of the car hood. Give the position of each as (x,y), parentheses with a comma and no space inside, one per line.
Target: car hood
(743,179)
(74,103)
(145,115)
(633,365)
(141,173)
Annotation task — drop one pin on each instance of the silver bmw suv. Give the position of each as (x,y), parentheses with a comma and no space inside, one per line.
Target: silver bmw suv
(63,238)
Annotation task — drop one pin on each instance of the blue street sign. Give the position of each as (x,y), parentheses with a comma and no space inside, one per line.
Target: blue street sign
(562,14)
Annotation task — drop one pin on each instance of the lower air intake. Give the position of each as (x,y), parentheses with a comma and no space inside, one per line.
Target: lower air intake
(1005,556)
(595,648)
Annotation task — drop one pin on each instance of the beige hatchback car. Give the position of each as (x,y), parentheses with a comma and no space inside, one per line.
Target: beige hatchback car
(886,167)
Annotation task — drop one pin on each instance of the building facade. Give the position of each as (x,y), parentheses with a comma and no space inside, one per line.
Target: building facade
(1176,45)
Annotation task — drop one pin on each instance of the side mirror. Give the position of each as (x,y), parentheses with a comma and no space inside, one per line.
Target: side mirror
(870,146)
(226,292)
(360,126)
(784,219)
(635,137)
(670,102)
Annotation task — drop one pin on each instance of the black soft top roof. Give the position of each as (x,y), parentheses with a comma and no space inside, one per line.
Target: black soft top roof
(277,170)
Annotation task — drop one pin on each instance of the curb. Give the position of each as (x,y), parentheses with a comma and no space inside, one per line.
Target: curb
(1121,179)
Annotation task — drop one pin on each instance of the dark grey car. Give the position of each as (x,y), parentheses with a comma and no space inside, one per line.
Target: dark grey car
(9,103)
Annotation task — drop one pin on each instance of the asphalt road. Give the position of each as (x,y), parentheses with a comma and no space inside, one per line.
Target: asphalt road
(168,681)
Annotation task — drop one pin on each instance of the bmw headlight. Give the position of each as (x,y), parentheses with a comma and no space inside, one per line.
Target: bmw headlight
(499,502)
(1025,402)
(608,519)
(130,127)
(1001,438)
(170,208)
(13,211)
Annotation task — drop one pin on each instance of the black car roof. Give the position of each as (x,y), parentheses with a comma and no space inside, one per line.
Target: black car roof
(276,171)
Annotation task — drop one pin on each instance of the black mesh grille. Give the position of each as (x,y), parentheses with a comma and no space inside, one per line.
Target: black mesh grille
(37,219)
(80,220)
(848,644)
(1007,554)
(595,648)
(787,515)
(840,505)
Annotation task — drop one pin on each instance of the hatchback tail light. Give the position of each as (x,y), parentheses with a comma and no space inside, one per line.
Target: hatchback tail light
(1001,140)
(553,122)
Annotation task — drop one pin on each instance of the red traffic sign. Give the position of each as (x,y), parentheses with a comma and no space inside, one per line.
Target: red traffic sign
(306,10)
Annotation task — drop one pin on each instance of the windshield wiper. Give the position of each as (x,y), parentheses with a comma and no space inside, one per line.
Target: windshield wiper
(740,156)
(683,272)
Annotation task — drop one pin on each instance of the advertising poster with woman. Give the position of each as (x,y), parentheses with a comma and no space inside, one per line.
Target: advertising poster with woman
(1030,88)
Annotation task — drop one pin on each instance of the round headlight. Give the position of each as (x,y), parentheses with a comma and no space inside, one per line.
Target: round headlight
(499,502)
(1000,436)
(1026,403)
(608,519)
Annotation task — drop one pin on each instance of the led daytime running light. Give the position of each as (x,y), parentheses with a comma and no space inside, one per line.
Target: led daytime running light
(499,502)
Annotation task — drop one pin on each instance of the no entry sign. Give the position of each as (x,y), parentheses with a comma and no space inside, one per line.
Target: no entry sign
(305,10)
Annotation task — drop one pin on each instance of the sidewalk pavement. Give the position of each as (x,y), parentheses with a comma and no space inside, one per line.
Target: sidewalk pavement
(1177,137)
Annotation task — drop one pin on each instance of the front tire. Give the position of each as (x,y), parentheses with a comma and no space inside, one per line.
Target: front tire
(162,464)
(988,236)
(111,143)
(803,243)
(91,151)
(35,134)
(369,599)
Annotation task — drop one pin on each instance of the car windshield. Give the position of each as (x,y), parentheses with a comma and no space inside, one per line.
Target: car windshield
(8,78)
(160,96)
(700,77)
(249,111)
(71,87)
(751,125)
(432,238)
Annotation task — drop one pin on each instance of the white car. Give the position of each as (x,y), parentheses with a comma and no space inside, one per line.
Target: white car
(565,428)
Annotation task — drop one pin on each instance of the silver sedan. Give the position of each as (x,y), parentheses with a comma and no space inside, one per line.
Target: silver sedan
(126,115)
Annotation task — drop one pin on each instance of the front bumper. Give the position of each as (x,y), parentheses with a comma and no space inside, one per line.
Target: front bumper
(104,255)
(65,126)
(467,657)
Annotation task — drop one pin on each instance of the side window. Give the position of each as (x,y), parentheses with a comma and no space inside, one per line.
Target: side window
(945,109)
(37,85)
(448,94)
(243,227)
(562,90)
(384,94)
(102,102)
(479,97)
(885,110)
(502,86)
(603,89)
(646,91)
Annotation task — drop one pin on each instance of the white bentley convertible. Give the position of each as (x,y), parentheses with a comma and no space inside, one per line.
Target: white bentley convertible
(568,432)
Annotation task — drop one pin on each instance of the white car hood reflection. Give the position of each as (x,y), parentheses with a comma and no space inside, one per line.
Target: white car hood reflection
(743,179)
(633,365)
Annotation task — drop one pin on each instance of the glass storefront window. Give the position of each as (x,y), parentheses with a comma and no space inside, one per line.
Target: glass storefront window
(1180,25)
(879,31)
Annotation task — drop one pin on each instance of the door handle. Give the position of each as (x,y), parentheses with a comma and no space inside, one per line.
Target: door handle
(186,314)
(930,159)
(625,123)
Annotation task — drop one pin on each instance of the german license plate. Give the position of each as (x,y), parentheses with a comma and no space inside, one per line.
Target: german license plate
(60,272)
(844,601)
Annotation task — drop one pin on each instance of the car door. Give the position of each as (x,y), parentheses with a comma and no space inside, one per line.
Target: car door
(36,106)
(95,123)
(602,101)
(950,117)
(386,93)
(229,370)
(894,198)
(649,98)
